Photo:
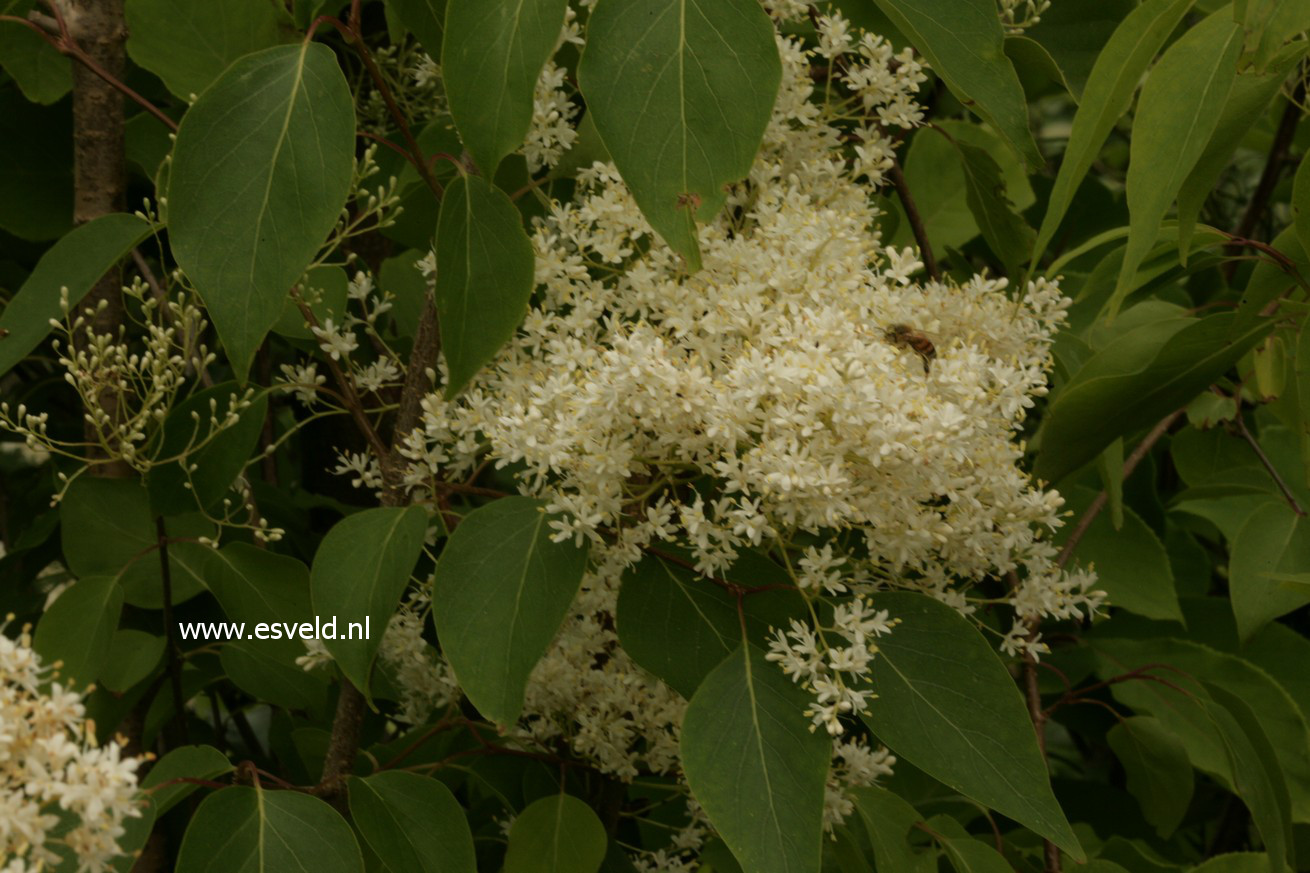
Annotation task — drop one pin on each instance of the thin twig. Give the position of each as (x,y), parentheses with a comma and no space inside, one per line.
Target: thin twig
(916,221)
(1264,189)
(1269,466)
(1130,464)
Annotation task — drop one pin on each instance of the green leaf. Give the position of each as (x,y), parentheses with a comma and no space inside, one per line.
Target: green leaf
(1301,206)
(220,458)
(966,854)
(755,765)
(1176,115)
(325,289)
(76,262)
(1007,234)
(78,627)
(1110,466)
(41,72)
(485,278)
(1235,862)
(1136,380)
(490,61)
(1247,103)
(947,705)
(250,830)
(1273,540)
(558,834)
(413,823)
(133,655)
(888,820)
(1159,773)
(360,570)
(260,172)
(1271,22)
(193,762)
(964,43)
(188,43)
(426,19)
(681,92)
(1075,32)
(502,589)
(1109,91)
(1256,773)
(1132,566)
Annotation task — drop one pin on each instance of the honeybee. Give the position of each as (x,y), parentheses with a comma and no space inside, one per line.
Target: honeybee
(905,337)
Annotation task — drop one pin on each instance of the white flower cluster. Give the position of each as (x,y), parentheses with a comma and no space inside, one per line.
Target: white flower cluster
(854,765)
(422,676)
(61,795)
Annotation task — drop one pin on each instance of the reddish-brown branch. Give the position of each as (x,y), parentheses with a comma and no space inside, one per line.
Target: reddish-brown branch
(916,221)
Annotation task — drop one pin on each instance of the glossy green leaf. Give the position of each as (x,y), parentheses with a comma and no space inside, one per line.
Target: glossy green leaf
(76,262)
(1110,86)
(965,45)
(755,765)
(681,92)
(188,43)
(260,172)
(1135,381)
(77,628)
(1132,566)
(502,589)
(412,823)
(492,55)
(210,461)
(359,572)
(426,19)
(1176,115)
(558,834)
(250,830)
(43,74)
(1159,773)
(192,762)
(1273,540)
(947,705)
(485,278)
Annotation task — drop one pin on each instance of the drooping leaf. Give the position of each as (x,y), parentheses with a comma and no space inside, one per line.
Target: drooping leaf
(210,461)
(947,704)
(1007,234)
(755,766)
(1109,91)
(76,262)
(1274,539)
(359,572)
(1256,773)
(681,92)
(485,278)
(964,43)
(1135,381)
(192,762)
(188,43)
(260,172)
(1176,115)
(1159,774)
(557,834)
(412,823)
(77,628)
(490,61)
(502,588)
(250,830)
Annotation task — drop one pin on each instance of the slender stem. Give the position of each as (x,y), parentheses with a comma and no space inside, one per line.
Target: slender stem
(1269,467)
(343,745)
(170,634)
(1130,464)
(916,221)
(1264,189)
